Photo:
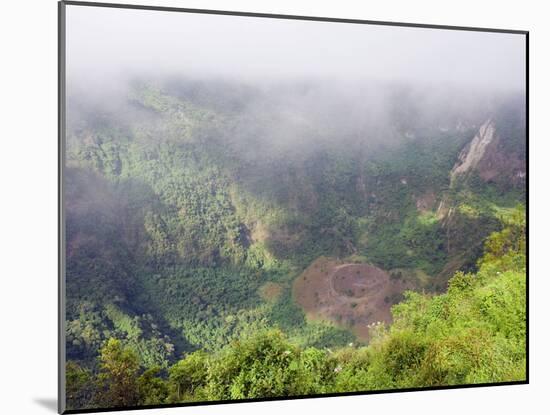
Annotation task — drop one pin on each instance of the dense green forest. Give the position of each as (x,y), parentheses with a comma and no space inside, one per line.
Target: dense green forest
(192,207)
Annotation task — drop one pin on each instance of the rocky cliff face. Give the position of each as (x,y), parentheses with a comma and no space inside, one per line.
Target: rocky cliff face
(470,157)
(486,156)
(492,156)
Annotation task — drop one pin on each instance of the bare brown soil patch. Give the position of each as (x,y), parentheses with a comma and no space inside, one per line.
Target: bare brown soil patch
(348,294)
(426,202)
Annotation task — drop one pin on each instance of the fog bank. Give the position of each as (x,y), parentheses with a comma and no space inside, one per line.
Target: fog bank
(106,45)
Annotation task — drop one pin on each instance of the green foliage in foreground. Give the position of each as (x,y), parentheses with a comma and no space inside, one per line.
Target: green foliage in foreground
(474,333)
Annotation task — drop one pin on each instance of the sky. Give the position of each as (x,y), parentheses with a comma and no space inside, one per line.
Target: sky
(106,43)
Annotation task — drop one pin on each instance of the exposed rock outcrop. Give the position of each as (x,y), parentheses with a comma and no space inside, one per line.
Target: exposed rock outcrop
(470,157)
(487,156)
(492,156)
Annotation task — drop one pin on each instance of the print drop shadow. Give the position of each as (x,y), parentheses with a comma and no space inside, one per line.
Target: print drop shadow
(49,403)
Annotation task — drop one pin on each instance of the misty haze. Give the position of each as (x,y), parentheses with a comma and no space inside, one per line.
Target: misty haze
(261,207)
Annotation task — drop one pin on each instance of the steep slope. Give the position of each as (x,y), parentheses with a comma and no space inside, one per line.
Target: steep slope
(486,156)
(470,157)
(487,179)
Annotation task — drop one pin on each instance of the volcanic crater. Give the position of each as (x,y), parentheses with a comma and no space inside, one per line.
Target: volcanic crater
(353,295)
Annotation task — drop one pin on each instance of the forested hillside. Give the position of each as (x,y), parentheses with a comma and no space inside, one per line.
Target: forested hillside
(203,218)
